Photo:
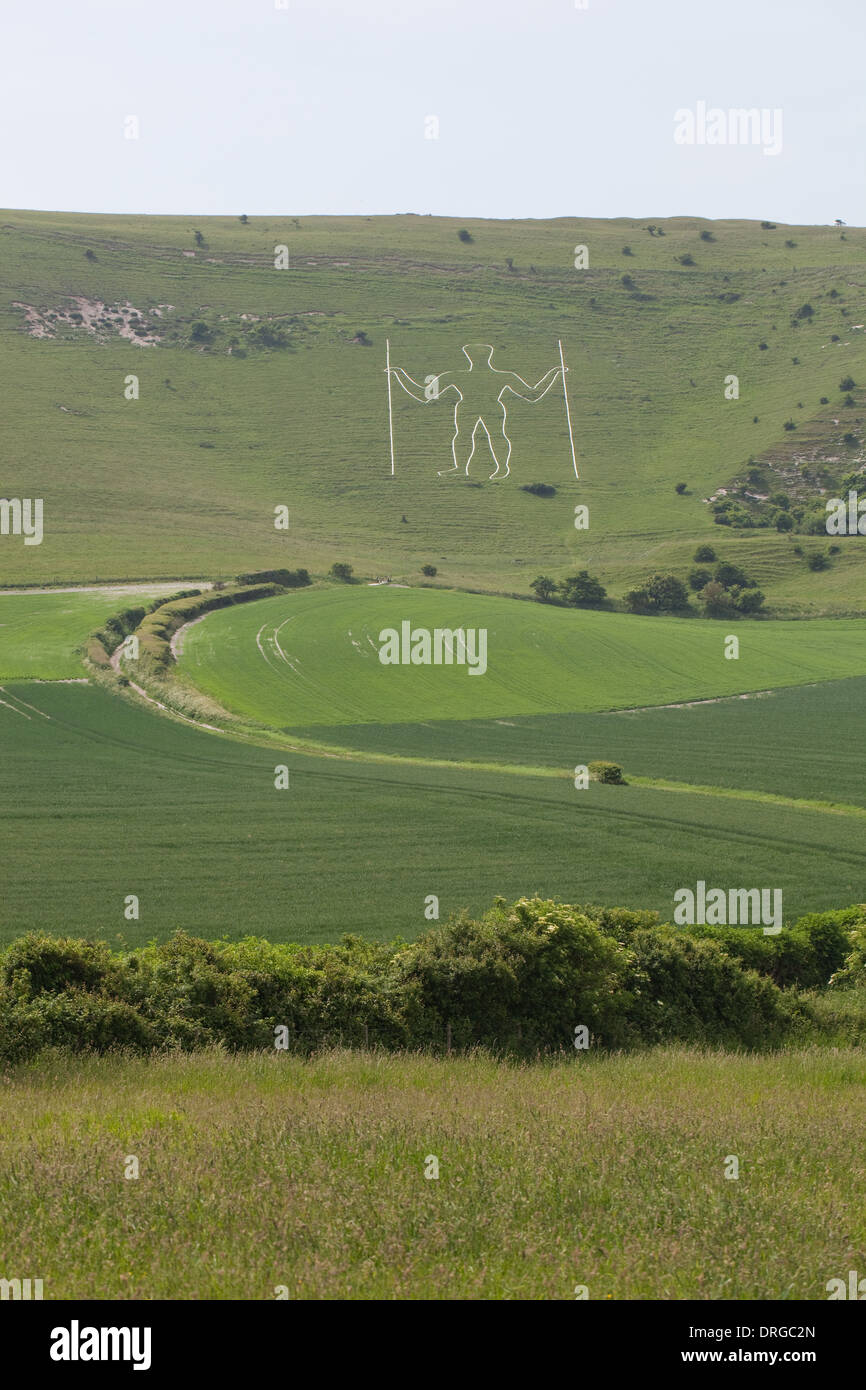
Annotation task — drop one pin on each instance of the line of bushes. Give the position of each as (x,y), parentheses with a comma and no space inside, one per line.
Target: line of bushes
(101,644)
(156,624)
(519,980)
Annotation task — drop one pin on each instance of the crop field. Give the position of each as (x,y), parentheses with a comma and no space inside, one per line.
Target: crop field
(103,798)
(313,657)
(791,742)
(40,633)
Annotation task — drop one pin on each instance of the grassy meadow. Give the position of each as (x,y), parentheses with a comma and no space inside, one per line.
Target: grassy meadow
(263,1173)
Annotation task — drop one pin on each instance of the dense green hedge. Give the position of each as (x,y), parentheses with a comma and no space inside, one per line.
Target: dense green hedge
(287,579)
(519,980)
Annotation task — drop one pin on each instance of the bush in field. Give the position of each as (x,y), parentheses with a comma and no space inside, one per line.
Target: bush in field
(340,570)
(191,997)
(41,964)
(806,954)
(704,555)
(853,970)
(601,771)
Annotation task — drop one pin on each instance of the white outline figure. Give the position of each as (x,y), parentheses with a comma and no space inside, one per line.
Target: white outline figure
(479,400)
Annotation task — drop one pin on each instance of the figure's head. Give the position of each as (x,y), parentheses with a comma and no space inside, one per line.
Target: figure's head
(478,352)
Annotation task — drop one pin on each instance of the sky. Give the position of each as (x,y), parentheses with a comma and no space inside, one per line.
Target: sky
(464,108)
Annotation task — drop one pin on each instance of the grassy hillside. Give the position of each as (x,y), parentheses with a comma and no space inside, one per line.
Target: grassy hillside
(185,479)
(266,1171)
(313,657)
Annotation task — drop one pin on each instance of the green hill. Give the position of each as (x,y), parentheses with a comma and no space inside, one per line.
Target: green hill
(261,387)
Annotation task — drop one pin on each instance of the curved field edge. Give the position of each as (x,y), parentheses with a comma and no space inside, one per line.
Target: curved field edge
(313,658)
(169,692)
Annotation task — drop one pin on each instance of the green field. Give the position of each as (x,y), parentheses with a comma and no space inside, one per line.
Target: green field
(795,742)
(312,657)
(184,480)
(103,798)
(40,634)
(260,1173)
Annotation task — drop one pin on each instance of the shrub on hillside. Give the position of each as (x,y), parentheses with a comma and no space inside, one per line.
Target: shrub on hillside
(582,590)
(699,578)
(662,593)
(340,570)
(544,587)
(287,579)
(704,555)
(728,575)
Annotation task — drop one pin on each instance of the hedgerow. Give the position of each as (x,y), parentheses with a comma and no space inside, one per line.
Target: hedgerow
(519,980)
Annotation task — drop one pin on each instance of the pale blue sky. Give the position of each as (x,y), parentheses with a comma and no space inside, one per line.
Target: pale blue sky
(544,109)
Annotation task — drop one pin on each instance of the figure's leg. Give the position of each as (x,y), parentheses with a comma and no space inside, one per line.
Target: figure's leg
(501,449)
(462,445)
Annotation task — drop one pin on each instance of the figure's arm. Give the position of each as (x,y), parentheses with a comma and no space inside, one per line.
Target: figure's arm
(531,393)
(441,383)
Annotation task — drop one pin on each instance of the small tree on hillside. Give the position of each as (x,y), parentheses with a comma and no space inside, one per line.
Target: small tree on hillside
(340,570)
(582,590)
(543,587)
(662,593)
